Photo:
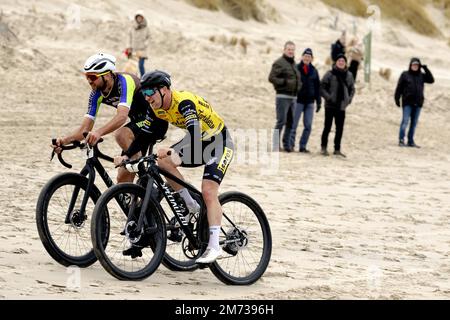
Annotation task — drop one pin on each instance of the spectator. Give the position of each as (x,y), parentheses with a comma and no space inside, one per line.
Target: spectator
(356,55)
(309,92)
(337,88)
(286,80)
(410,89)
(338,47)
(138,40)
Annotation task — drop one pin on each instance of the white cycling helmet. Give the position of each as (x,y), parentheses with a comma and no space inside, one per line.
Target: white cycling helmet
(99,63)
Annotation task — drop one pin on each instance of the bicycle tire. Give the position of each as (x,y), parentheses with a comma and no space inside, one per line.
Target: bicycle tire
(172,260)
(158,242)
(218,268)
(42,219)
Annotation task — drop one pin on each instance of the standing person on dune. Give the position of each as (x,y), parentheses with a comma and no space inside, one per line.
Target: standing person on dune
(410,89)
(286,81)
(139,36)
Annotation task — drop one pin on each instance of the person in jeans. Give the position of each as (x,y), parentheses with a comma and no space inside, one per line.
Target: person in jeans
(286,80)
(338,89)
(410,89)
(139,36)
(309,92)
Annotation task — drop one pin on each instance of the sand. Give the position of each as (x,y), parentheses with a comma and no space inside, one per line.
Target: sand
(371,226)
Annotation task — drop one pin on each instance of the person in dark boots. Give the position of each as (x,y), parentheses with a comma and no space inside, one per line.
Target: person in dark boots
(410,89)
(338,89)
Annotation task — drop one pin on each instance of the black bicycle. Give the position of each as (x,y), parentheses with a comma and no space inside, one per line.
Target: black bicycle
(64,206)
(246,238)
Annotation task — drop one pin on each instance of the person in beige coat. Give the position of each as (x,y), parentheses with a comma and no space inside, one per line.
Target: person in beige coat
(355,54)
(138,40)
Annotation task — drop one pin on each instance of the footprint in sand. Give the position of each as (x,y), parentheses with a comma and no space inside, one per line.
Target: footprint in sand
(20,251)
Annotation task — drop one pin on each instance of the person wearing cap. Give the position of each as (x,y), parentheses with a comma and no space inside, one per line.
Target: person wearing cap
(122,92)
(338,89)
(410,89)
(307,95)
(138,38)
(285,79)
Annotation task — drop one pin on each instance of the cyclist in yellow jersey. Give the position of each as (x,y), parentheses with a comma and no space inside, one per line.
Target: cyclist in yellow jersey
(207,143)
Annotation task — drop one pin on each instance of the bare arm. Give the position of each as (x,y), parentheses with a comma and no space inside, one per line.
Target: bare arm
(112,125)
(77,135)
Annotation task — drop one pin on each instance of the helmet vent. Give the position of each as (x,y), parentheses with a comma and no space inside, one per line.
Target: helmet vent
(100,66)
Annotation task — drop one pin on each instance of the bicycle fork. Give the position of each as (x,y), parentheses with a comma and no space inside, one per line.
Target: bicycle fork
(88,170)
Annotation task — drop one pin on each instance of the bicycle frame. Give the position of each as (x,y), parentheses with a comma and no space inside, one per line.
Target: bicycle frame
(89,170)
(155,173)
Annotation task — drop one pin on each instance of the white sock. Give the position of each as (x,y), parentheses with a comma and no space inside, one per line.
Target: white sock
(214,232)
(190,202)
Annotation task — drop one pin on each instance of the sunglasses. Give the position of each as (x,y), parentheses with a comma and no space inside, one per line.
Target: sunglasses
(95,76)
(148,92)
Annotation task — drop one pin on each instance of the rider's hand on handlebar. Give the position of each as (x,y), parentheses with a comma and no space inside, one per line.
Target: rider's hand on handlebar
(119,159)
(57,147)
(92,138)
(165,152)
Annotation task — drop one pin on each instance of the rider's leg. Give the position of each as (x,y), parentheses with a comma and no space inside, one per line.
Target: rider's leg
(168,165)
(210,191)
(124,137)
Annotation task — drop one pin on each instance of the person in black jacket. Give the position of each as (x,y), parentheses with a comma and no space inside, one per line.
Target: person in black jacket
(338,47)
(286,80)
(338,89)
(309,93)
(410,89)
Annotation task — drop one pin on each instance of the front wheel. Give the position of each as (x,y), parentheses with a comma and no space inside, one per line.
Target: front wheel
(129,253)
(245,239)
(62,226)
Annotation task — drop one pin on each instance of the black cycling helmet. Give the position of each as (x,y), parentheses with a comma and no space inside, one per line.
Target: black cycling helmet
(155,79)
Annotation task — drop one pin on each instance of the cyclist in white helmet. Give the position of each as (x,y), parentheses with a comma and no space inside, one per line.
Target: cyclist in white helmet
(121,91)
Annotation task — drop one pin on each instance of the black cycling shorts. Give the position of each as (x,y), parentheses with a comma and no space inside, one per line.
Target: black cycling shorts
(143,141)
(215,154)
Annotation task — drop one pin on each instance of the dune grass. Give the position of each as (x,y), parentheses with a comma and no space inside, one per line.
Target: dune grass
(206,4)
(258,10)
(443,5)
(354,7)
(409,12)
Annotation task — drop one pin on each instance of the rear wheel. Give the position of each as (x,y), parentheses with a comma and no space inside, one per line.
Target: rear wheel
(245,239)
(63,228)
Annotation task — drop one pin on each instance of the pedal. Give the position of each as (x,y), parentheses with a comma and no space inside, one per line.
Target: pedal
(175,235)
(133,251)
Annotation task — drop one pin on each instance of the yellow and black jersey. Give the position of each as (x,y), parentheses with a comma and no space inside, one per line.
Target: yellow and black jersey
(189,111)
